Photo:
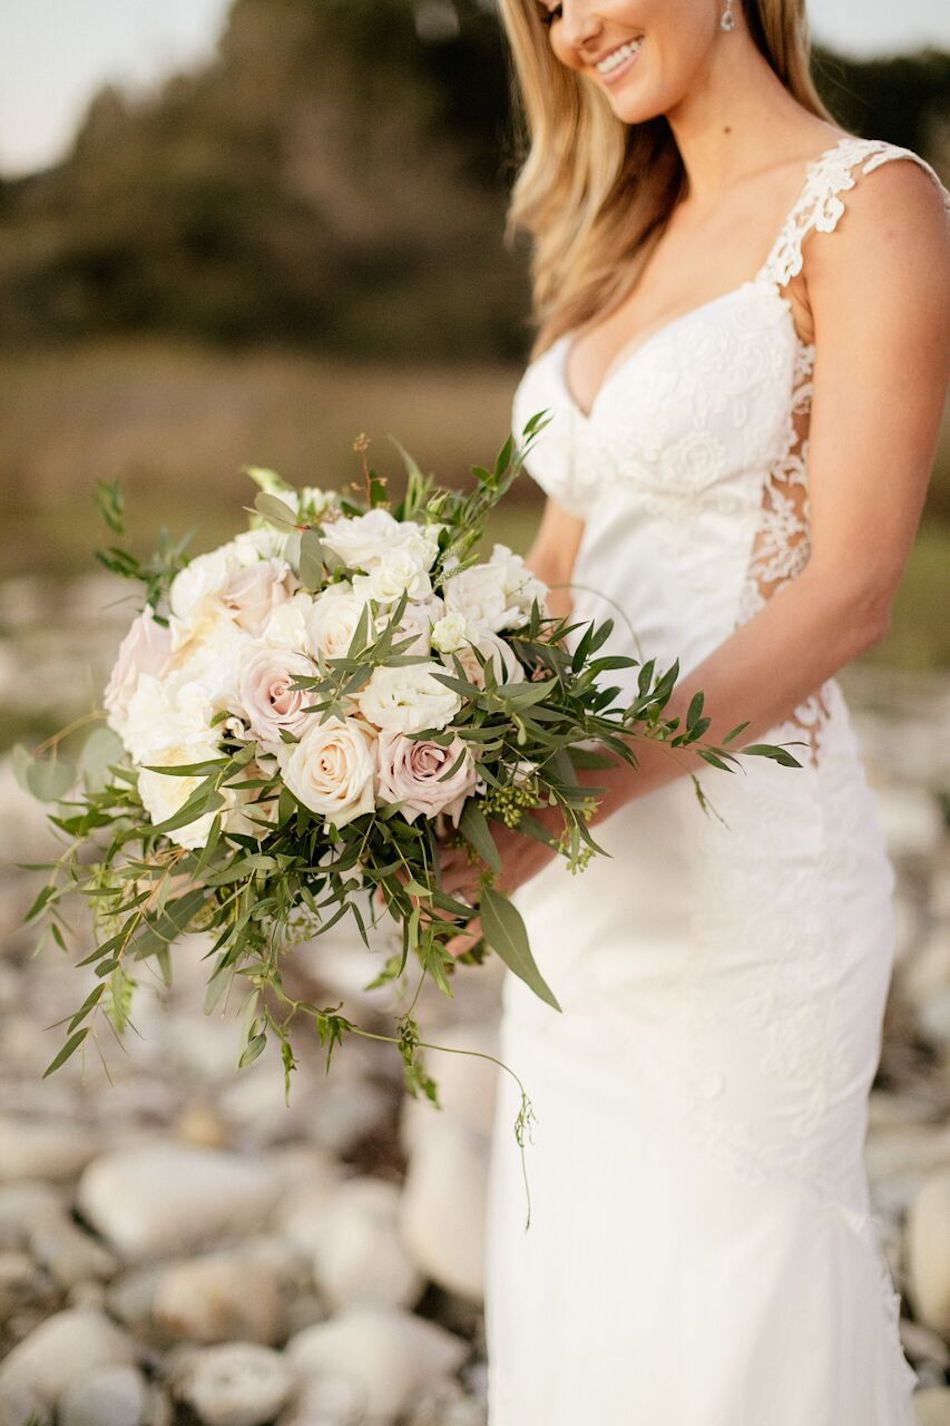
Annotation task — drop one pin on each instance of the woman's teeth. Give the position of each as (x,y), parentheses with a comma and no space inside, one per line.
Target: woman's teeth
(618,56)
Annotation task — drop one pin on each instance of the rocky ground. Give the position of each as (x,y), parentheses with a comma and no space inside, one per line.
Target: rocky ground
(178,1246)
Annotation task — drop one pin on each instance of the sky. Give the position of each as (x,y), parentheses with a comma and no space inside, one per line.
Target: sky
(55,54)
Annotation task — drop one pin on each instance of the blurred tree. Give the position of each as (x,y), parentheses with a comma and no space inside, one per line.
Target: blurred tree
(336,178)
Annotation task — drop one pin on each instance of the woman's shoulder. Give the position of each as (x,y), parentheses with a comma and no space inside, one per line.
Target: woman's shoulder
(838,180)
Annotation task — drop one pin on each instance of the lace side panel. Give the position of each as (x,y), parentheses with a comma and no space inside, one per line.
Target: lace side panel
(782,545)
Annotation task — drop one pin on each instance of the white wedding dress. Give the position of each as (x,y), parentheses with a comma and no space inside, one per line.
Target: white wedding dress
(701,1250)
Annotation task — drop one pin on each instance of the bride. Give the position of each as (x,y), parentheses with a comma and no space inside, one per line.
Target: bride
(743,343)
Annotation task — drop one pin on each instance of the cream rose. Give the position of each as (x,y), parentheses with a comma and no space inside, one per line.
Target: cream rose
(408,698)
(409,773)
(333,620)
(332,770)
(145,649)
(267,700)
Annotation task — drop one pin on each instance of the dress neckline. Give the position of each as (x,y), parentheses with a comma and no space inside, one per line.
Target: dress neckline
(628,353)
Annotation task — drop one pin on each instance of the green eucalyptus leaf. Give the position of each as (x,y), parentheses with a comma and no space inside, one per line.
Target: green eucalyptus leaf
(50,779)
(275,511)
(505,933)
(101,749)
(473,826)
(312,554)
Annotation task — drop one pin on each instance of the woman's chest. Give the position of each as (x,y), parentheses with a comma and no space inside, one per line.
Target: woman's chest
(703,402)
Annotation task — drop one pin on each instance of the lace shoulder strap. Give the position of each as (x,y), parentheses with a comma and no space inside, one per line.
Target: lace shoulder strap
(819,206)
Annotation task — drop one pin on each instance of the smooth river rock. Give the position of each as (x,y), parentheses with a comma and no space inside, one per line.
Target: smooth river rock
(219,1298)
(62,1348)
(388,1352)
(108,1396)
(157,1199)
(359,1255)
(236,1384)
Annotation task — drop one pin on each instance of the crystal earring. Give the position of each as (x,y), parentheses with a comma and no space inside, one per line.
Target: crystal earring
(727,20)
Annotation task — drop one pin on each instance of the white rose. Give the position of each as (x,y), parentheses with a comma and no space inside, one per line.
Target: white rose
(165,715)
(163,794)
(500,655)
(408,698)
(450,632)
(289,625)
(263,542)
(333,620)
(520,585)
(398,572)
(202,582)
(209,652)
(496,595)
(332,769)
(234,577)
(478,595)
(363,541)
(416,623)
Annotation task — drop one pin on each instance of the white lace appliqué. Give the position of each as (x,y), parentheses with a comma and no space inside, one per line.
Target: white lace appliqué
(782,545)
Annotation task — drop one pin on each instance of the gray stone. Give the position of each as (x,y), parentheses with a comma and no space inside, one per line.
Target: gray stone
(389,1353)
(155,1199)
(237,1384)
(62,1348)
(108,1396)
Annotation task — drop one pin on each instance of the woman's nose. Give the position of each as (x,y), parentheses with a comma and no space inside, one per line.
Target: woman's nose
(580,22)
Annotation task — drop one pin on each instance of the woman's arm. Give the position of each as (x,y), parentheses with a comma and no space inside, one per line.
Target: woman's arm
(553,553)
(879,292)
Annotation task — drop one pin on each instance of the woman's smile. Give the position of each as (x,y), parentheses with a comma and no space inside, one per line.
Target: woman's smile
(618,60)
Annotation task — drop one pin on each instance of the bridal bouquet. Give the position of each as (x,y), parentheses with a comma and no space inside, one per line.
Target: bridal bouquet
(296,720)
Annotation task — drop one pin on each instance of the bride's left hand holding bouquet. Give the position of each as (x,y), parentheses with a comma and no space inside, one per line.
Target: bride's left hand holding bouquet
(295,723)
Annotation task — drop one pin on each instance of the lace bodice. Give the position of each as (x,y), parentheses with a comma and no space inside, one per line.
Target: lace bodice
(695,449)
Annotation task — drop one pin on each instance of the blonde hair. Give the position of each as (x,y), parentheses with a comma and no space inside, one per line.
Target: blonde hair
(595,193)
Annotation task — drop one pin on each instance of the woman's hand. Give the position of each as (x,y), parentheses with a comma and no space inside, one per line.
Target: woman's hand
(521,856)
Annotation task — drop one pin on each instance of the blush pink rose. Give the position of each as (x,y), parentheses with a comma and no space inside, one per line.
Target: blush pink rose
(145,649)
(409,773)
(267,699)
(256,590)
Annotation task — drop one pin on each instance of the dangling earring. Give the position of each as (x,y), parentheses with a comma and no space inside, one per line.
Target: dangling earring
(727,20)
